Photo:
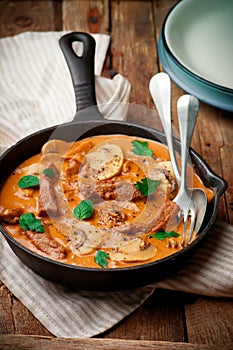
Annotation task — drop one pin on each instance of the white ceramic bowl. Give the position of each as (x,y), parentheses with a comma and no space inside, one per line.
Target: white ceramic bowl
(196,49)
(199,34)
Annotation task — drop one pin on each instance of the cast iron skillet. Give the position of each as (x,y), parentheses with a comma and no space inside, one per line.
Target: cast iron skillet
(89,122)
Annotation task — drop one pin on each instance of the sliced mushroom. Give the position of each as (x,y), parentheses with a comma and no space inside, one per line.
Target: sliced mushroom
(170,180)
(166,165)
(135,250)
(52,158)
(84,239)
(105,161)
(32,169)
(55,146)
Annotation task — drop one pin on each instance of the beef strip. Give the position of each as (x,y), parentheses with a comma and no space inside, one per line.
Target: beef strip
(112,217)
(167,212)
(106,189)
(47,201)
(11,216)
(173,186)
(118,190)
(45,243)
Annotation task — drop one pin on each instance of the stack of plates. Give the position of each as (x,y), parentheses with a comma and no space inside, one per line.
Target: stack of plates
(196,49)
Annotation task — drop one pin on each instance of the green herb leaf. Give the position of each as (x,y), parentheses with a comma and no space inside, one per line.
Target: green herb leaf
(100,258)
(160,235)
(29,222)
(84,209)
(141,148)
(28,181)
(49,172)
(147,186)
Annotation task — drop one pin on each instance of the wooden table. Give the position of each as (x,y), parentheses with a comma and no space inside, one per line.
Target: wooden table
(167,320)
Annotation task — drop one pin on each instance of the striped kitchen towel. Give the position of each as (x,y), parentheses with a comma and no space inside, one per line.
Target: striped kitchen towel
(80,314)
(36,89)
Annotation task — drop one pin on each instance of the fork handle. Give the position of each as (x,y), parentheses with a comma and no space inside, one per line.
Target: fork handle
(187,108)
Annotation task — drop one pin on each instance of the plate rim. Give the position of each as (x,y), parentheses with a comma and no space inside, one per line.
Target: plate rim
(188,88)
(188,71)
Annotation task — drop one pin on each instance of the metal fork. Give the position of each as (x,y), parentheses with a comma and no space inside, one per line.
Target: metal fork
(187,108)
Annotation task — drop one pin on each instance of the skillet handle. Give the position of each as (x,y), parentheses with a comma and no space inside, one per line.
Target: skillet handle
(82,73)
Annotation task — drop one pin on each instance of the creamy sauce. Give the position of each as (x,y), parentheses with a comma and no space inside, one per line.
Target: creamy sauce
(132,170)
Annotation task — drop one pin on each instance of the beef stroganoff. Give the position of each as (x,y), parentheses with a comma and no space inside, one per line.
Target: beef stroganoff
(105,201)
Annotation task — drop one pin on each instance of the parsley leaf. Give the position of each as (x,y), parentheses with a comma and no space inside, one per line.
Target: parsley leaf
(147,186)
(160,235)
(49,172)
(84,209)
(29,222)
(28,181)
(100,258)
(141,148)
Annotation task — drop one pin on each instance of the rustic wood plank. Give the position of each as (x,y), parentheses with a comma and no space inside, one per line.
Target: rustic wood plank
(210,321)
(226,152)
(227,168)
(134,47)
(15,318)
(211,142)
(6,318)
(17,342)
(20,16)
(160,10)
(25,322)
(160,318)
(88,16)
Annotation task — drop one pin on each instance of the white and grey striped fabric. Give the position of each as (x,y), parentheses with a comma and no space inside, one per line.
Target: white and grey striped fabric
(210,270)
(72,314)
(36,89)
(35,92)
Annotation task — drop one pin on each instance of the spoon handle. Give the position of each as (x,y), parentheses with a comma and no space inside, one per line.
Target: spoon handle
(187,108)
(160,89)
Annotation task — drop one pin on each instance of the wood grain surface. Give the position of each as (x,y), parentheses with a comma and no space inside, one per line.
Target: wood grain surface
(167,320)
(19,342)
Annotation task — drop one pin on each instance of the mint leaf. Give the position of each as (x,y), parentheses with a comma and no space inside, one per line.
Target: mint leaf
(84,209)
(28,221)
(49,172)
(160,235)
(28,181)
(100,258)
(141,148)
(147,186)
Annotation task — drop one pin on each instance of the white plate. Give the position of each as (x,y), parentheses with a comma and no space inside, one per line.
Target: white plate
(199,34)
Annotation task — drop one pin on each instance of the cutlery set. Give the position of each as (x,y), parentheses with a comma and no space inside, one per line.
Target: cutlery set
(192,202)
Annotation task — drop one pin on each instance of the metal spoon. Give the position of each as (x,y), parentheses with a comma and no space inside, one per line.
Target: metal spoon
(160,89)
